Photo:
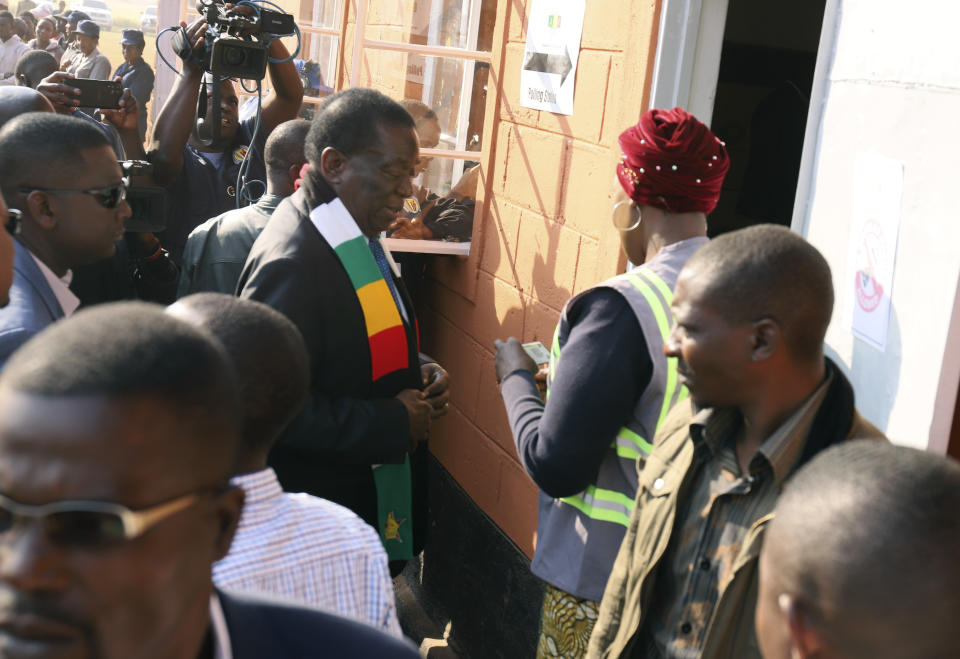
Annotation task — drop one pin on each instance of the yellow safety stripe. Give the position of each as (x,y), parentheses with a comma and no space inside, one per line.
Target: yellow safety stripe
(630,445)
(672,377)
(606,505)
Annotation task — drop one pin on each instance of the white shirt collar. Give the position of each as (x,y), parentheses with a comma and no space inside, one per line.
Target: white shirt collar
(221,635)
(60,287)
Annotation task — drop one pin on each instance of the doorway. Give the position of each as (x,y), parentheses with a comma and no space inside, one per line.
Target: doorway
(746,68)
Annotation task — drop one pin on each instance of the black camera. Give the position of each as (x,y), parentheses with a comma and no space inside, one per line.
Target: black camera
(234,44)
(236,58)
(148,203)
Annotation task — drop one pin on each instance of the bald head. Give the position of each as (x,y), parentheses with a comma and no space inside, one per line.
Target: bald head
(862,558)
(33,66)
(767,271)
(15,101)
(133,351)
(269,357)
(284,155)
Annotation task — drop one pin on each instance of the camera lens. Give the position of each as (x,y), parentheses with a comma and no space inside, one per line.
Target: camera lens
(233,56)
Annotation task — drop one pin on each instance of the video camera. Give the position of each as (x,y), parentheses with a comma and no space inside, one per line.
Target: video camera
(236,45)
(148,203)
(236,42)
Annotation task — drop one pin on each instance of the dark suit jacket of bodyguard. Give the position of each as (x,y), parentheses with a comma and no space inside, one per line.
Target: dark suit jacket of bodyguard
(349,422)
(262,629)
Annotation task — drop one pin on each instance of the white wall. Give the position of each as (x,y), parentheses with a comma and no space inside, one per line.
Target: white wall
(889,82)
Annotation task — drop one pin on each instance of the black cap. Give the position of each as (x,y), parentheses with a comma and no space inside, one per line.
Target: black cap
(132,38)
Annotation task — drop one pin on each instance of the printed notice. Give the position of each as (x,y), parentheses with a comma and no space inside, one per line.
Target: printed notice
(874,227)
(550,58)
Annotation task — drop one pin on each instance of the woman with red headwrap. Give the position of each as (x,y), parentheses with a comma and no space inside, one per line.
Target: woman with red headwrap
(609,384)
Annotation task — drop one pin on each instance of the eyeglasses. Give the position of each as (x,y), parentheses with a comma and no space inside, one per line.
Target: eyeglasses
(14,222)
(91,524)
(108,197)
(626,215)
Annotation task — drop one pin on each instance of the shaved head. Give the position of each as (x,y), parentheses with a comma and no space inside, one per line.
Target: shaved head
(767,271)
(15,101)
(284,155)
(284,147)
(33,66)
(864,556)
(130,351)
(268,355)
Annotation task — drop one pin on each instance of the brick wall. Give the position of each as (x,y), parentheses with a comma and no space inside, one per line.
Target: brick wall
(543,234)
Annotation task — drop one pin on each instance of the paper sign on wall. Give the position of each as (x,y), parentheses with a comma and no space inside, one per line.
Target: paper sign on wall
(550,57)
(874,227)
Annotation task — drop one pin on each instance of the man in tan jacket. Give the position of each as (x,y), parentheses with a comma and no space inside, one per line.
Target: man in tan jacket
(751,310)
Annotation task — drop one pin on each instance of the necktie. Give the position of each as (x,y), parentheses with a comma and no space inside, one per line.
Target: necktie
(381,258)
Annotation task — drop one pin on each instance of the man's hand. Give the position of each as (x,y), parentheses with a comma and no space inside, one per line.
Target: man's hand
(64,98)
(512,357)
(436,388)
(189,47)
(419,412)
(410,229)
(126,117)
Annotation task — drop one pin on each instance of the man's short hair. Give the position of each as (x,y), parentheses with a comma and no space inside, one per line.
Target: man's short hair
(17,101)
(767,271)
(127,350)
(269,358)
(347,121)
(38,143)
(864,536)
(6,14)
(33,66)
(284,147)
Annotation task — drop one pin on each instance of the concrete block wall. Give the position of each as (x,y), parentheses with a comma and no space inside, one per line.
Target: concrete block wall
(543,234)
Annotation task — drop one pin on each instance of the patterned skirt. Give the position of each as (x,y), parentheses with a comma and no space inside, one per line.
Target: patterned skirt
(565,625)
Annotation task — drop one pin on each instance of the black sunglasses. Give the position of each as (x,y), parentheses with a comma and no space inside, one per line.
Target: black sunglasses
(108,197)
(14,222)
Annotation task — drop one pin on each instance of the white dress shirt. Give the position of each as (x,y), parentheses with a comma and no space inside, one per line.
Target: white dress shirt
(60,287)
(309,550)
(221,635)
(10,52)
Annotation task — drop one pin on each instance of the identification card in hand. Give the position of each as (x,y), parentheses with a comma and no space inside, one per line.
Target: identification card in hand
(538,352)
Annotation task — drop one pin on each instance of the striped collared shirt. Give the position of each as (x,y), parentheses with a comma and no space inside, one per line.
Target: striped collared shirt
(308,549)
(713,519)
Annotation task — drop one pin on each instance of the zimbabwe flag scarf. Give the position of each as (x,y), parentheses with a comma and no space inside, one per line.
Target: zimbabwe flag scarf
(386,334)
(389,352)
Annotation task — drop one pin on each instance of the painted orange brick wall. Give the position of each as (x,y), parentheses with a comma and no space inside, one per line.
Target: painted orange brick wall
(543,234)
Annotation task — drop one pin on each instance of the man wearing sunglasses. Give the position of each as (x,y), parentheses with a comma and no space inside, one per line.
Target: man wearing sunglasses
(118,435)
(63,175)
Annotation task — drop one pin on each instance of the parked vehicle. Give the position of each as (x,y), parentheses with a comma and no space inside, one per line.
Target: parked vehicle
(97,10)
(148,20)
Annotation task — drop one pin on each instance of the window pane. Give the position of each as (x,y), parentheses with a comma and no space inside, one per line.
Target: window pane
(326,13)
(451,23)
(441,213)
(455,90)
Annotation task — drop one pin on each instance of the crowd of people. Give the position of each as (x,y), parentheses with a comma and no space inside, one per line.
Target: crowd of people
(213,426)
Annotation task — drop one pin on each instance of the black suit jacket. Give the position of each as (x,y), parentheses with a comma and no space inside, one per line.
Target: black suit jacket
(349,422)
(261,629)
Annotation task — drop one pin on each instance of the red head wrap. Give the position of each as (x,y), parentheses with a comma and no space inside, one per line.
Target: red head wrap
(672,161)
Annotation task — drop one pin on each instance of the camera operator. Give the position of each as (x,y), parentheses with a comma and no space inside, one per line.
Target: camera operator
(202,179)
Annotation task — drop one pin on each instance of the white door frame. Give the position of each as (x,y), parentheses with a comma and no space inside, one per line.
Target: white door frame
(687,64)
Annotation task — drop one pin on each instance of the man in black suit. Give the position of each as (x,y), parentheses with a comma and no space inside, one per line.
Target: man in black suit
(119,431)
(320,262)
